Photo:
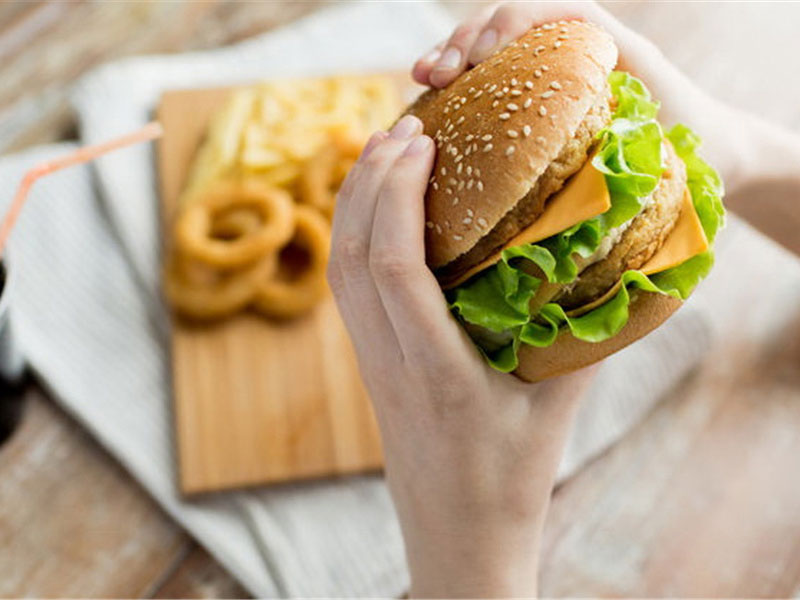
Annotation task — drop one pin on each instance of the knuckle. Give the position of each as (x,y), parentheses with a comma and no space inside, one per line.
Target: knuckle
(505,17)
(462,34)
(390,265)
(349,251)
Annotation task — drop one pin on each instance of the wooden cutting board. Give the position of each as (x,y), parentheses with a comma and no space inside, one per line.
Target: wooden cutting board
(258,401)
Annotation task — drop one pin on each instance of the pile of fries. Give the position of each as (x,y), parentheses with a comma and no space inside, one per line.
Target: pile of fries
(253,228)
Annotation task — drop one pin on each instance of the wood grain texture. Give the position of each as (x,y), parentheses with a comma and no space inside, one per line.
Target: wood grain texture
(72,522)
(258,401)
(701,500)
(46,45)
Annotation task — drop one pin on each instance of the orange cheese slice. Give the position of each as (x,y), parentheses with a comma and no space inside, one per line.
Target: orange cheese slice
(585,196)
(686,240)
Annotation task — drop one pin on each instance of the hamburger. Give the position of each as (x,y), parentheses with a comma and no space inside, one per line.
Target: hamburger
(562,221)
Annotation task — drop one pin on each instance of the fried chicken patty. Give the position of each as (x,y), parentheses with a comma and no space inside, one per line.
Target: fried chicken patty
(572,157)
(638,243)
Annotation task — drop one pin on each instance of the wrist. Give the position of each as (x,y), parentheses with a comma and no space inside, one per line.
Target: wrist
(475,569)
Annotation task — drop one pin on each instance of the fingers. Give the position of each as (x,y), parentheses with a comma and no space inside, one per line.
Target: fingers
(348,269)
(449,59)
(423,67)
(409,292)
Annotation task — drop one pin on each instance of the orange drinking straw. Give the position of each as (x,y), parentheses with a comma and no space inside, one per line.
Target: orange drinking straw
(149,132)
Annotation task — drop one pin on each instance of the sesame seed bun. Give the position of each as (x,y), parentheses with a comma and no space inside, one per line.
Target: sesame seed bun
(499,126)
(647,311)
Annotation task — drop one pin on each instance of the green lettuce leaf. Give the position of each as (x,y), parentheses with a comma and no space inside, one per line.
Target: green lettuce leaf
(630,159)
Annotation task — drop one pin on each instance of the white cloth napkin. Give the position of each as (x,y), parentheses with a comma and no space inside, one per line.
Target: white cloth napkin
(90,324)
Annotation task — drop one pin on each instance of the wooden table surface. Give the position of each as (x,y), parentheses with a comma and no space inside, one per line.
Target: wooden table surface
(699,500)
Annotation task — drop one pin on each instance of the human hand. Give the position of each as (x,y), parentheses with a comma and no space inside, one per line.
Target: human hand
(470,453)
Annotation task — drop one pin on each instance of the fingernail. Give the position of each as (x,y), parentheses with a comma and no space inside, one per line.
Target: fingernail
(418,146)
(432,56)
(405,128)
(450,59)
(485,42)
(375,139)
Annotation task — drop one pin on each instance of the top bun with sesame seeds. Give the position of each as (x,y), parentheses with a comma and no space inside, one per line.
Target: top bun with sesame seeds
(498,129)
(560,220)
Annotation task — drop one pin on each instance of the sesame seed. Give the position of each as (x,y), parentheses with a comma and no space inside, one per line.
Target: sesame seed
(455,200)
(512,133)
(540,140)
(488,147)
(563,37)
(548,26)
(513,67)
(505,89)
(461,119)
(448,191)
(538,34)
(557,44)
(452,181)
(529,84)
(512,107)
(429,224)
(526,130)
(499,94)
(548,94)
(457,237)
(438,229)
(514,81)
(492,88)
(469,170)
(446,109)
(526,45)
(460,168)
(478,94)
(443,171)
(480,186)
(461,185)
(463,99)
(475,146)
(487,137)
(469,137)
(468,151)
(457,106)
(496,103)
(510,150)
(542,110)
(470,183)
(459,158)
(504,116)
(482,222)
(545,68)
(516,93)
(528,103)
(477,172)
(555,85)
(466,221)
(470,90)
(537,73)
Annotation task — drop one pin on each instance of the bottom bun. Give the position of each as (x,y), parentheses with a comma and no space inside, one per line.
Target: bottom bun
(647,311)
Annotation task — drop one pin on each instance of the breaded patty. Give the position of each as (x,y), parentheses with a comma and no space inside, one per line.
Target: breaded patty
(528,209)
(640,241)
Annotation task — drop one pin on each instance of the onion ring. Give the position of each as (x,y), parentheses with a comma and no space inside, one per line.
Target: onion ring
(298,282)
(200,292)
(194,228)
(323,174)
